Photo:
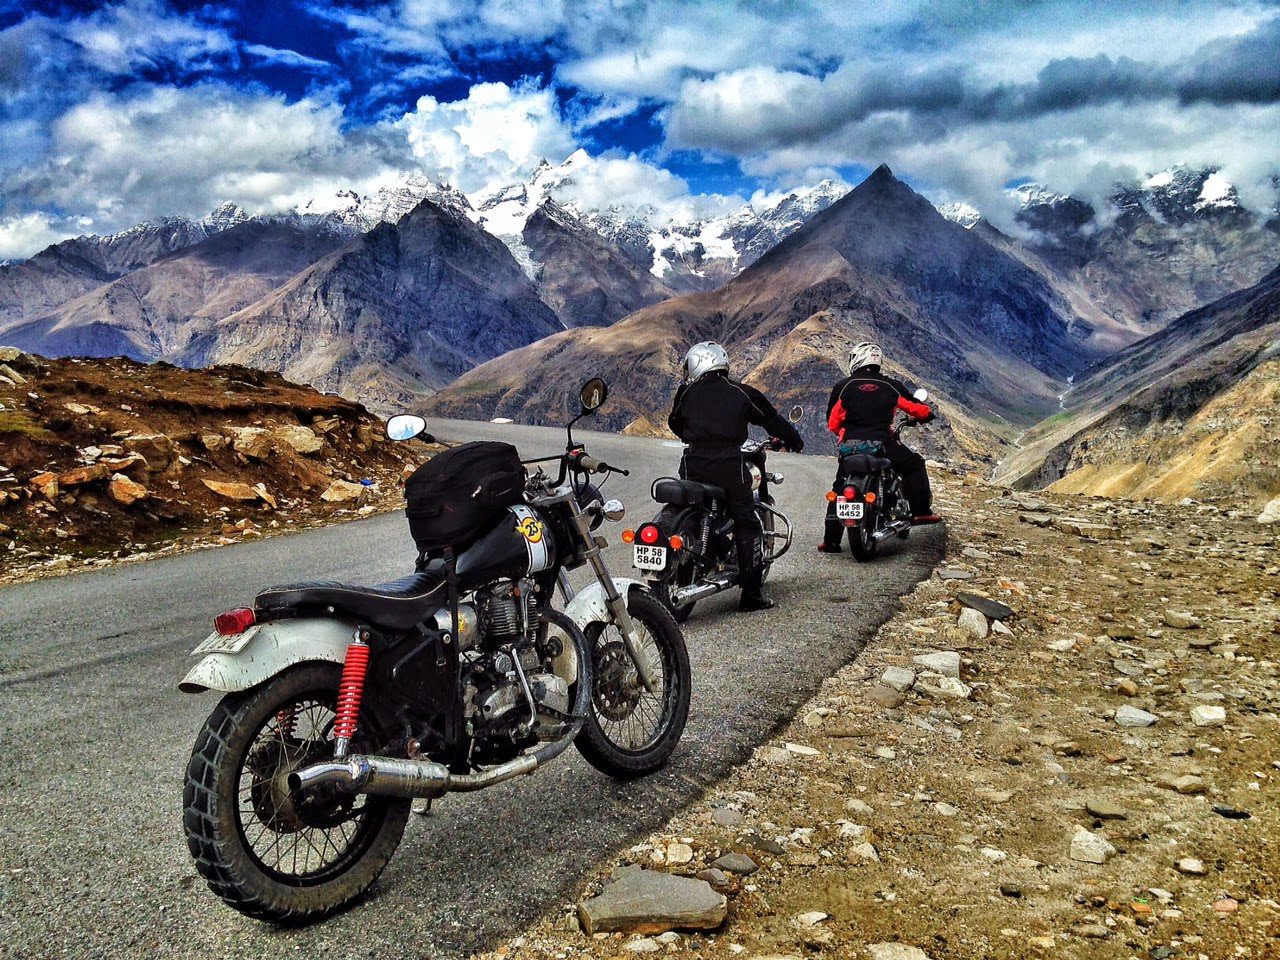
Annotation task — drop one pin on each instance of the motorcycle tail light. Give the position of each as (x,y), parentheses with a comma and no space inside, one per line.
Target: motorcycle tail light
(831,496)
(234,622)
(649,534)
(870,498)
(677,542)
(628,536)
(850,493)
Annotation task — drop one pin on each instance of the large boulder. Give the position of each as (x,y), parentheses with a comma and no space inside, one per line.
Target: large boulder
(79,476)
(233,490)
(1271,512)
(301,439)
(646,901)
(341,491)
(252,442)
(155,447)
(125,491)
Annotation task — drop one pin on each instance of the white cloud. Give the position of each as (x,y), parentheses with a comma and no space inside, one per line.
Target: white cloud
(24,235)
(122,38)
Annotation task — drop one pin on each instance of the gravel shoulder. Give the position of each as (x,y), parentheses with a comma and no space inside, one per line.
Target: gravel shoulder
(1093,775)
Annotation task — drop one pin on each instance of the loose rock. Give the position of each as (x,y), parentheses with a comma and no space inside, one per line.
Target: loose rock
(645,901)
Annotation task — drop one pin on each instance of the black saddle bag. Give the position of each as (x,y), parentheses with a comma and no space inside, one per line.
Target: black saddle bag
(461,493)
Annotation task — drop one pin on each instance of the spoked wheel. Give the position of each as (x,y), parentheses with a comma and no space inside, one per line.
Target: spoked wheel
(766,542)
(683,575)
(630,731)
(861,542)
(268,851)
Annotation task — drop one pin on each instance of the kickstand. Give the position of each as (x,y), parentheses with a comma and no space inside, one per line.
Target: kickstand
(422,807)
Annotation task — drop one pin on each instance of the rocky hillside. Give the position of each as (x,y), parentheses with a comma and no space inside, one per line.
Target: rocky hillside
(1062,746)
(405,308)
(104,459)
(1191,411)
(585,279)
(962,317)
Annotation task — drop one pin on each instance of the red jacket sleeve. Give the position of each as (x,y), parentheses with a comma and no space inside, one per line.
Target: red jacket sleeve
(835,420)
(913,409)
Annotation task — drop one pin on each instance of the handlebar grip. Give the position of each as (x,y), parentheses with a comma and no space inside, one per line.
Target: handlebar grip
(589,464)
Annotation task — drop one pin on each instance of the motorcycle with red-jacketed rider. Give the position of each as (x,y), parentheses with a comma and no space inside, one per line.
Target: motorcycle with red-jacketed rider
(868,498)
(343,703)
(687,551)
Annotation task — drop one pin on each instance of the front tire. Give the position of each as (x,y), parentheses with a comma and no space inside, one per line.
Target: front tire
(630,732)
(246,832)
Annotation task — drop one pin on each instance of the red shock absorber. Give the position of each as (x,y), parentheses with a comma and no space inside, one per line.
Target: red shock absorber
(350,691)
(287,722)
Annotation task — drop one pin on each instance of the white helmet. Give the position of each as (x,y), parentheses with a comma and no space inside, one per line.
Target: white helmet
(865,354)
(702,359)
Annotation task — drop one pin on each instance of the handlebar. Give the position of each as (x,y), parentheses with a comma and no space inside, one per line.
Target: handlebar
(592,465)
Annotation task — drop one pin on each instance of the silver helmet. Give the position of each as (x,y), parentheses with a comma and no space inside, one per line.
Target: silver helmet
(703,358)
(865,354)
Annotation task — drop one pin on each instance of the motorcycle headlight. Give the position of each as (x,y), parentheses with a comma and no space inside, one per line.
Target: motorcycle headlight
(755,476)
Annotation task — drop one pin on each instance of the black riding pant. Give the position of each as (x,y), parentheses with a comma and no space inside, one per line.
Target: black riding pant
(729,472)
(908,465)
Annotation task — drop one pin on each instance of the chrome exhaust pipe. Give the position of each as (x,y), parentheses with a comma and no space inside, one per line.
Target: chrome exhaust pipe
(699,591)
(398,777)
(896,527)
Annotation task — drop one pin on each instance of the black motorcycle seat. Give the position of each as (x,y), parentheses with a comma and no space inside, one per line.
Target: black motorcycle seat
(685,493)
(861,463)
(398,605)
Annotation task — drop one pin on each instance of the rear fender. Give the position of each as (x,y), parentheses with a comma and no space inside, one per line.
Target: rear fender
(275,647)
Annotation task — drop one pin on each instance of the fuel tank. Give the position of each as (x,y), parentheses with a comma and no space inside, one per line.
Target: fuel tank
(520,543)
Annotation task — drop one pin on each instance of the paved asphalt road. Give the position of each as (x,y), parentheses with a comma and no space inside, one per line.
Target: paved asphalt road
(94,738)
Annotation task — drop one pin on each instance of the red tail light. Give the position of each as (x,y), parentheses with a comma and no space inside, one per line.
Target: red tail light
(234,621)
(850,493)
(649,534)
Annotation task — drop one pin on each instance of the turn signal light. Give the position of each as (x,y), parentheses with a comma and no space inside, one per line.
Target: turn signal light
(628,536)
(870,498)
(677,542)
(234,622)
(831,496)
(649,534)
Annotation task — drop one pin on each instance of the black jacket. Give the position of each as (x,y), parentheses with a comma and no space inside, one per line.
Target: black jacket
(712,413)
(862,405)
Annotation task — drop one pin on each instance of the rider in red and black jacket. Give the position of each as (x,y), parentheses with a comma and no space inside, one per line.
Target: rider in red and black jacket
(862,407)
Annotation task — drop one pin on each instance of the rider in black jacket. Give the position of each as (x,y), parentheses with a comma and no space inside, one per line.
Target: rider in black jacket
(711,414)
(862,407)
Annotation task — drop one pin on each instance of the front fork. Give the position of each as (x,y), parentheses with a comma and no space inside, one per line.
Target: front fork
(616,603)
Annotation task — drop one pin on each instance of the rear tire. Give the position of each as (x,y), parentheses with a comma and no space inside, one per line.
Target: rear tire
(684,574)
(609,740)
(215,811)
(862,544)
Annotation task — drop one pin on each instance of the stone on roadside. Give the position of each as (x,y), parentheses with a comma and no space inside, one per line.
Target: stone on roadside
(1131,718)
(646,901)
(738,863)
(301,439)
(679,853)
(1090,847)
(156,447)
(78,476)
(213,442)
(886,697)
(726,817)
(1208,715)
(973,623)
(252,442)
(643,945)
(801,750)
(1271,512)
(232,490)
(714,876)
(125,491)
(900,678)
(943,688)
(1083,528)
(945,662)
(1104,809)
(992,609)
(895,951)
(1191,867)
(341,491)
(1127,688)
(1180,620)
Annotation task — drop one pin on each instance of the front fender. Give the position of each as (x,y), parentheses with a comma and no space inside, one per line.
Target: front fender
(589,605)
(274,647)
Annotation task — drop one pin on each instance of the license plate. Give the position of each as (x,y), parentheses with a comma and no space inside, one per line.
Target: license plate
(650,558)
(218,643)
(848,509)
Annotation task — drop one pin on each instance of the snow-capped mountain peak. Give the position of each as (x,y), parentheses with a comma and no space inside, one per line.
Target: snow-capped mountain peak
(962,213)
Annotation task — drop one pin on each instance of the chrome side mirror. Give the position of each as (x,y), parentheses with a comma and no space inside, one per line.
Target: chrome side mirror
(796,414)
(406,426)
(921,395)
(614,510)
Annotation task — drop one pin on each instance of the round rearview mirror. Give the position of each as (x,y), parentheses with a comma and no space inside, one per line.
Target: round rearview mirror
(593,394)
(796,414)
(405,426)
(921,395)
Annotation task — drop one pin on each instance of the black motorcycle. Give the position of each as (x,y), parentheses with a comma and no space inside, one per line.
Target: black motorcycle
(343,703)
(868,493)
(687,552)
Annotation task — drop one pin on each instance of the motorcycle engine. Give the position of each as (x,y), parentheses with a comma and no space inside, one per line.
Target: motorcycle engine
(513,695)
